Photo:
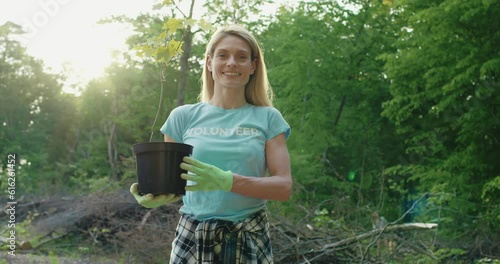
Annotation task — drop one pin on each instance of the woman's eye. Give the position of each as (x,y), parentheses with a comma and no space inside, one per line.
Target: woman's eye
(221,55)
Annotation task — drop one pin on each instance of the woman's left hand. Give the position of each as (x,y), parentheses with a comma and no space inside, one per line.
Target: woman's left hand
(206,176)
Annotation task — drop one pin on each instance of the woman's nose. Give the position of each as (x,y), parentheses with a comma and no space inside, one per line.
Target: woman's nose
(231,61)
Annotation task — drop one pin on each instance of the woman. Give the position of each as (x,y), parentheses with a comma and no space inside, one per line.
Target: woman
(238,138)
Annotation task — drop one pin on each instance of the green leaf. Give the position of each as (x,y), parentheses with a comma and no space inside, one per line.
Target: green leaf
(203,24)
(491,190)
(490,67)
(173,24)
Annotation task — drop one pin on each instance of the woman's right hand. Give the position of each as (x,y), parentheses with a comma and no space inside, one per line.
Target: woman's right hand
(151,201)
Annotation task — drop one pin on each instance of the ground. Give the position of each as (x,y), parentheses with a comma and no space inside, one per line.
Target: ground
(35,259)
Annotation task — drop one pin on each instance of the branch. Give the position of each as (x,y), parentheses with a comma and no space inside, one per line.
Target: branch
(162,80)
(392,223)
(178,9)
(143,221)
(191,8)
(408,226)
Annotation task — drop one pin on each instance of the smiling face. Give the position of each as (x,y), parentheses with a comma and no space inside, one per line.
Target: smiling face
(231,63)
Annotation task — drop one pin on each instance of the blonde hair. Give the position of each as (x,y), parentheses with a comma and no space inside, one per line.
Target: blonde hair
(258,90)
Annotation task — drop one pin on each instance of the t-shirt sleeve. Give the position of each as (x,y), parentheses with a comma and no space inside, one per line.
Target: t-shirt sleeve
(175,125)
(277,124)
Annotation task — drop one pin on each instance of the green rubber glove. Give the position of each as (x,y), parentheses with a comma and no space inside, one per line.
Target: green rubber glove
(151,201)
(206,176)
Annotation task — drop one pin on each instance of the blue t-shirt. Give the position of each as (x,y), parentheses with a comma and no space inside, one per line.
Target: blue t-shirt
(230,139)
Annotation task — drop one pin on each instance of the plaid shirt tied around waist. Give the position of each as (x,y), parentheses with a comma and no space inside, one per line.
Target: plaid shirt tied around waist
(217,241)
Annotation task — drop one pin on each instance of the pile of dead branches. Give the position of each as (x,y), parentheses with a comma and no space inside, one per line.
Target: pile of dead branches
(303,244)
(109,223)
(115,224)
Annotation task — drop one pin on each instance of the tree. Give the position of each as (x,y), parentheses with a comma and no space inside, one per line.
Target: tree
(324,67)
(30,108)
(445,89)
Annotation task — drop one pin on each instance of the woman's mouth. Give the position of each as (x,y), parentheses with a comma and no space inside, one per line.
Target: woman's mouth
(231,73)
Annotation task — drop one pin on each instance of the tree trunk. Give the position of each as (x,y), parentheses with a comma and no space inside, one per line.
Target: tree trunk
(187,39)
(111,152)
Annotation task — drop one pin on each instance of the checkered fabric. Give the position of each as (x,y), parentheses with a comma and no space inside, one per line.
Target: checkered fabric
(216,241)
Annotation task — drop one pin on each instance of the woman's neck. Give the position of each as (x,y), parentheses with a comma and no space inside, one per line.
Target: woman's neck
(228,98)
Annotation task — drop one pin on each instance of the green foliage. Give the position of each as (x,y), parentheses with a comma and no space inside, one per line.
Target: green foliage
(449,253)
(444,85)
(327,220)
(30,106)
(224,12)
(324,69)
(491,190)
(164,47)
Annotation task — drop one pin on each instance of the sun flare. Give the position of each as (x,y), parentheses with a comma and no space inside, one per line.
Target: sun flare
(66,36)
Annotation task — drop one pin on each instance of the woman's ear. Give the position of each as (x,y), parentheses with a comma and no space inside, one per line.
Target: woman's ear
(209,63)
(254,65)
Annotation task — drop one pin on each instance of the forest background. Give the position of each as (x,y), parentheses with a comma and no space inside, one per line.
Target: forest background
(394,108)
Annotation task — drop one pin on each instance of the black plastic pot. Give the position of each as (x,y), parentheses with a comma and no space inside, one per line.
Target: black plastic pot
(158,170)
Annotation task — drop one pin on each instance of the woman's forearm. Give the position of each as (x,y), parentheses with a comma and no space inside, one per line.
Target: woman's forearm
(277,187)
